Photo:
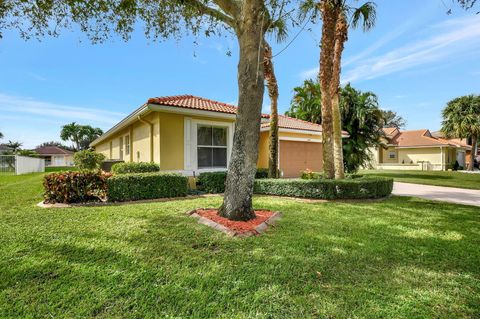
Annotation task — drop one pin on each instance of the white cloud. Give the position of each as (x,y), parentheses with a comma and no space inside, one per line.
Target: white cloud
(22,105)
(32,122)
(451,38)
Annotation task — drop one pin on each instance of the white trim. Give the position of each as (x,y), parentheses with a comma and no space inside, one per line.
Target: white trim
(301,139)
(190,143)
(187,143)
(192,112)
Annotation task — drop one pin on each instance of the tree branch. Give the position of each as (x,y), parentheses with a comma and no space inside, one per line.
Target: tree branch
(215,13)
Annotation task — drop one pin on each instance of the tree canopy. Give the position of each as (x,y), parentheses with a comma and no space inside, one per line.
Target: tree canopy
(80,135)
(392,119)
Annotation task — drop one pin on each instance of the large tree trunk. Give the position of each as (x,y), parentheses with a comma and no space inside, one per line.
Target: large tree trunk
(237,201)
(272,86)
(341,34)
(473,153)
(329,17)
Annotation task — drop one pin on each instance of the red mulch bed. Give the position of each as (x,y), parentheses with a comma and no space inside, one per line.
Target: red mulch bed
(236,226)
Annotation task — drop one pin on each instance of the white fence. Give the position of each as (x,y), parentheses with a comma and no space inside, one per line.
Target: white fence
(15,164)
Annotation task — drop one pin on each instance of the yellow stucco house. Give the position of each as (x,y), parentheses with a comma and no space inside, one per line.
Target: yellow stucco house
(417,150)
(191,135)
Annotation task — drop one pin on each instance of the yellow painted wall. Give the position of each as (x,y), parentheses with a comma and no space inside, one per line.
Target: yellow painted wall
(385,155)
(263,150)
(171,141)
(432,155)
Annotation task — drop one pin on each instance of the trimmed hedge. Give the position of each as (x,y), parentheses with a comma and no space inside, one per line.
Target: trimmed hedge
(356,188)
(214,182)
(130,187)
(75,187)
(132,167)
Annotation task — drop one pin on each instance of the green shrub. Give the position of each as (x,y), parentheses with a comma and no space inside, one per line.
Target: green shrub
(88,160)
(131,167)
(127,187)
(308,174)
(214,182)
(74,187)
(356,188)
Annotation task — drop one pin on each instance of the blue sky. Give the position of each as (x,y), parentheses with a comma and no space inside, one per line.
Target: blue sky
(416,59)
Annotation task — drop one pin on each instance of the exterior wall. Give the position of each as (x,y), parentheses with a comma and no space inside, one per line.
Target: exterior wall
(385,155)
(409,155)
(409,158)
(171,141)
(168,140)
(263,150)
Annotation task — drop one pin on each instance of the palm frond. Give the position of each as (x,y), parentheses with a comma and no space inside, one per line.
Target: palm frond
(366,15)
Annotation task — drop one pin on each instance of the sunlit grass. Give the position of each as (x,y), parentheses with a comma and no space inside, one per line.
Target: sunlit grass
(395,258)
(437,178)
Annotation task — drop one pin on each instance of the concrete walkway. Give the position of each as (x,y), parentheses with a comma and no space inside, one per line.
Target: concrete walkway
(445,194)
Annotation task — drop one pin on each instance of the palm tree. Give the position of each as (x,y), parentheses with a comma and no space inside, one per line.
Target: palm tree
(15,146)
(461,119)
(1,135)
(272,86)
(71,132)
(367,14)
(329,13)
(306,103)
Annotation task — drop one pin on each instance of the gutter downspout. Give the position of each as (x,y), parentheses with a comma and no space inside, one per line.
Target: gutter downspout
(151,135)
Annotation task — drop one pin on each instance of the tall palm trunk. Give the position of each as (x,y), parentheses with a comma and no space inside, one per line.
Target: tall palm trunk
(329,18)
(272,86)
(237,201)
(473,153)
(341,35)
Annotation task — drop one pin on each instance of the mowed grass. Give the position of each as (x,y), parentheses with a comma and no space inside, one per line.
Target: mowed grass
(396,258)
(437,178)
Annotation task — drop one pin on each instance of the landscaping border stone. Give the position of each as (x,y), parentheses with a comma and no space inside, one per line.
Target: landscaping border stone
(258,230)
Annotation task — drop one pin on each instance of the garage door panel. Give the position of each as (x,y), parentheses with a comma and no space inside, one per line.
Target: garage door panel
(296,157)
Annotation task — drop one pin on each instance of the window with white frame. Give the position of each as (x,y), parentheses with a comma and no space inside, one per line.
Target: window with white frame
(127,144)
(392,155)
(211,146)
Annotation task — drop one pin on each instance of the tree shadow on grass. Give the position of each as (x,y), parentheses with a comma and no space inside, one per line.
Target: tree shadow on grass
(398,258)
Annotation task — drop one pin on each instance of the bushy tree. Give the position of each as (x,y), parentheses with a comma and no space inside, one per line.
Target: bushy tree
(88,160)
(392,119)
(361,118)
(248,20)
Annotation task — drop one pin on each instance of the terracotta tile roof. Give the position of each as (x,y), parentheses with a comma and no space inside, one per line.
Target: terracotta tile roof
(200,103)
(417,138)
(456,141)
(52,150)
(390,130)
(194,102)
(293,123)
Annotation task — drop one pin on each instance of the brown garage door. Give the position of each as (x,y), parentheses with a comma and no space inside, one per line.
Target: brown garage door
(296,157)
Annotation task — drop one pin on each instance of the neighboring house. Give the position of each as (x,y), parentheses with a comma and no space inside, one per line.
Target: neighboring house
(418,150)
(463,142)
(4,149)
(191,135)
(55,156)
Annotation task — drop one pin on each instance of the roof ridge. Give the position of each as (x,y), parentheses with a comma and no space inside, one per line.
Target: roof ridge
(299,120)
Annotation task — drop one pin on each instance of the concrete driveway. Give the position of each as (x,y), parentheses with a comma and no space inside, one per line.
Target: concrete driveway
(445,194)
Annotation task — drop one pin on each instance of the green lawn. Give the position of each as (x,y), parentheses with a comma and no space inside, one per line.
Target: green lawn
(451,179)
(397,258)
